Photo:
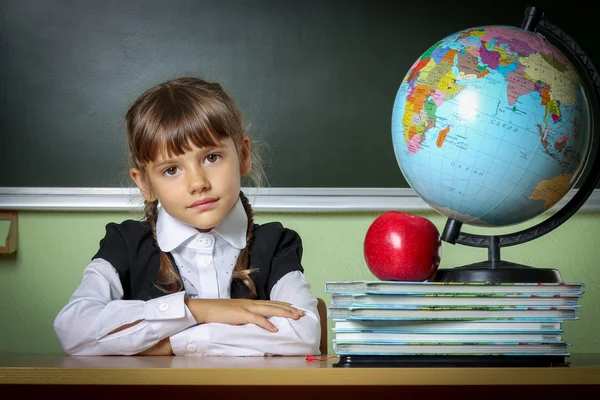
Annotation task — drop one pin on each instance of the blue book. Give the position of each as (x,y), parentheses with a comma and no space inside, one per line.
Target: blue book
(448,338)
(446,326)
(450,313)
(458,300)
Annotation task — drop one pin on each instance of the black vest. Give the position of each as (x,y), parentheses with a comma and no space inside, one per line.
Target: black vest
(130,248)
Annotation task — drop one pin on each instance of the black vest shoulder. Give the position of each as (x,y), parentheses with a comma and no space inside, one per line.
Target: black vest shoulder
(130,248)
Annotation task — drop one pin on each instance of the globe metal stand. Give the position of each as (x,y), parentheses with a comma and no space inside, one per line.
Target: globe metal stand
(495,270)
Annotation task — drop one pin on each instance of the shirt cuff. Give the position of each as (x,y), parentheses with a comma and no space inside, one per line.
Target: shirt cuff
(194,341)
(171,306)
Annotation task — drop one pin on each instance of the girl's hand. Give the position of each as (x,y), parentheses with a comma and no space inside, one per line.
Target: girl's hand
(242,311)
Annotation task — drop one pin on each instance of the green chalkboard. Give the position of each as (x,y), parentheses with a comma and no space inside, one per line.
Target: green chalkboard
(316,79)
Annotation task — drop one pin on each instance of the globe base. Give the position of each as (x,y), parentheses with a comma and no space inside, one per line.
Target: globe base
(498,272)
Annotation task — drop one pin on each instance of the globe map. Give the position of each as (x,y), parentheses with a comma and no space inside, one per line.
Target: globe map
(491,126)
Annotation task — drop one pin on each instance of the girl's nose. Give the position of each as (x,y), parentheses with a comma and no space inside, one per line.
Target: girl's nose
(197,181)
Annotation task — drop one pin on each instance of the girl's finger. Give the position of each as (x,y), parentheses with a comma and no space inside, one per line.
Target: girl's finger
(280,304)
(267,311)
(262,322)
(289,309)
(273,302)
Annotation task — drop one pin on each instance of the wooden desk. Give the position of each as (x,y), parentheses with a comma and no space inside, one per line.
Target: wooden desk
(35,374)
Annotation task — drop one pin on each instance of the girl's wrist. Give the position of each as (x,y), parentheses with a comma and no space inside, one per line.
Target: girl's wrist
(197,309)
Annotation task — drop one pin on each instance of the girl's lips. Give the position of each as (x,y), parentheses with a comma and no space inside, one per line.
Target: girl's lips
(202,205)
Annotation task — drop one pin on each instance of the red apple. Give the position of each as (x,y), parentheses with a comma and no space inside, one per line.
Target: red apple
(402,247)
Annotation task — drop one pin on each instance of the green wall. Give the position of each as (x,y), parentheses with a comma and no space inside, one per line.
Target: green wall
(54,248)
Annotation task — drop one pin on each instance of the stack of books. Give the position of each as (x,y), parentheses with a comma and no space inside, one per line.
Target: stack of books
(455,321)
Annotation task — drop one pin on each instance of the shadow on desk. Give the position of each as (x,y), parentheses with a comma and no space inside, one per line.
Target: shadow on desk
(86,392)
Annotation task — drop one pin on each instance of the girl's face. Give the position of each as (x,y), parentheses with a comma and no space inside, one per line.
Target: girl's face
(200,186)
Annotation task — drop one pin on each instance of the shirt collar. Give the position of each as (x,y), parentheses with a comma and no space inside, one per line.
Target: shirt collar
(171,233)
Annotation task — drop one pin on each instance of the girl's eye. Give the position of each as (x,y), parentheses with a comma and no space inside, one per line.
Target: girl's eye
(213,158)
(171,171)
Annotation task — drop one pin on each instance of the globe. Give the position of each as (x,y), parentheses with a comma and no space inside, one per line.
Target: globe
(491,126)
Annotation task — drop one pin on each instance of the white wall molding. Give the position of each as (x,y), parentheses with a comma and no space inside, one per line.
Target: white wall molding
(263,199)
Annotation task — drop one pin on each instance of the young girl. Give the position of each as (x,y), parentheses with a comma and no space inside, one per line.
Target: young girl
(197,276)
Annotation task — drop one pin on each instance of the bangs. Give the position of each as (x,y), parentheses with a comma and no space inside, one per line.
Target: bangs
(169,141)
(175,125)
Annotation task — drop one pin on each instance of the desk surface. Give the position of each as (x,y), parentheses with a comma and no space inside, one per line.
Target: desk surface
(53,369)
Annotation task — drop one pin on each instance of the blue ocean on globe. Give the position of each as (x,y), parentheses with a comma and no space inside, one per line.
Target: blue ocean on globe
(491,126)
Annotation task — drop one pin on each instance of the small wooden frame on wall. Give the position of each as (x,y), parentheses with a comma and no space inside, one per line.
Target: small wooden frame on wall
(10,242)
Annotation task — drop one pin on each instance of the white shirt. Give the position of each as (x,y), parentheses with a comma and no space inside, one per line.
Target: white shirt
(205,261)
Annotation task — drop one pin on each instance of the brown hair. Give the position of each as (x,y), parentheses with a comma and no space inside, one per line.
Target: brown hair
(173,116)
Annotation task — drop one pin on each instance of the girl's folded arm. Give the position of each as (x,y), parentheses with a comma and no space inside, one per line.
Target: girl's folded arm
(294,337)
(96,321)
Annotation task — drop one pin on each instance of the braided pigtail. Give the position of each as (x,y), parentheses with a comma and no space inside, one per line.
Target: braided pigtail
(241,270)
(167,278)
